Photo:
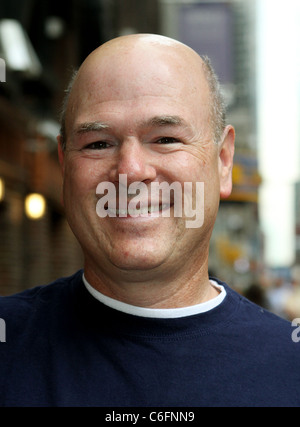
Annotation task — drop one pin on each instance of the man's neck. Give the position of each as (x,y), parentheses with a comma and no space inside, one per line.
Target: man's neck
(153,290)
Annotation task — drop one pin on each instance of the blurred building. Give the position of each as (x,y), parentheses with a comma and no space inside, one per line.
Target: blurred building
(41,43)
(57,36)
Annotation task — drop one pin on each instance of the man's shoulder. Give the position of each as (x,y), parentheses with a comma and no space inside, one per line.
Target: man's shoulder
(258,324)
(267,347)
(19,304)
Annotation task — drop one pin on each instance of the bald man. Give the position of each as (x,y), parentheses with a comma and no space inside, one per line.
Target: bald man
(145,155)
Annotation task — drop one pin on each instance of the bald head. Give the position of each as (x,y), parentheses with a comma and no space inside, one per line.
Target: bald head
(134,41)
(130,65)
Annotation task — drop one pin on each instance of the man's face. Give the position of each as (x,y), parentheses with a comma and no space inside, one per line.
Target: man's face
(146,119)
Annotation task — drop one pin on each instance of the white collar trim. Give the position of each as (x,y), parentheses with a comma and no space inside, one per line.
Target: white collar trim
(159,313)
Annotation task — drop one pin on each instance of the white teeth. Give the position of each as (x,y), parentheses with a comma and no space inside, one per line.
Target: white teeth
(152,209)
(136,212)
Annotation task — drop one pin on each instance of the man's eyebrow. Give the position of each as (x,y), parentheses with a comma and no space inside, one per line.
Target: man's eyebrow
(165,121)
(90,127)
(159,121)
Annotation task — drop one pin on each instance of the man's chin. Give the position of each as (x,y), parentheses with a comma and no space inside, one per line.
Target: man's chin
(137,264)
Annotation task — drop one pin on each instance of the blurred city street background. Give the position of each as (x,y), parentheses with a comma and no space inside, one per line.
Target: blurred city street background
(254,46)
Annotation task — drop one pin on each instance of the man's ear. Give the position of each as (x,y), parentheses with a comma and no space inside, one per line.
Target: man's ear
(61,153)
(226,153)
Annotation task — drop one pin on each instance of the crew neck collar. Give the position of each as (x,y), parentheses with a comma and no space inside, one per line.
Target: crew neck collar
(168,313)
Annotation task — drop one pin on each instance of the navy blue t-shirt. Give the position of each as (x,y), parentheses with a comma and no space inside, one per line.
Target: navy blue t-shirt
(65,348)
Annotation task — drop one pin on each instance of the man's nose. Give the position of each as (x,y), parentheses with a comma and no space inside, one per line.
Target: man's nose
(134,160)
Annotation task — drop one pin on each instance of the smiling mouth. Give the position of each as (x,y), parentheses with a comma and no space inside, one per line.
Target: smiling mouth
(135,212)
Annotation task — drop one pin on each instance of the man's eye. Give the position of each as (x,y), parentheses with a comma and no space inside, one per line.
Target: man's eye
(167,140)
(98,145)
